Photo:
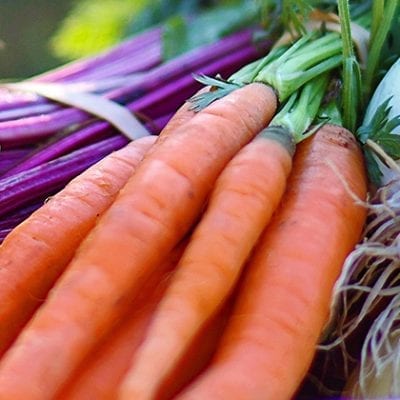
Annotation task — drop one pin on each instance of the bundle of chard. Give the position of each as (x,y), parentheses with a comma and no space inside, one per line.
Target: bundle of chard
(189,264)
(44,144)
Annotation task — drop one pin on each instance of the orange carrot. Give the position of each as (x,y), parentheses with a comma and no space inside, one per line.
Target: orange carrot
(242,202)
(152,213)
(284,301)
(35,253)
(100,374)
(99,377)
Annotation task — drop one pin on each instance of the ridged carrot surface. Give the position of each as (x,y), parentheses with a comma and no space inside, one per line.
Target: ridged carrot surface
(241,204)
(284,301)
(36,252)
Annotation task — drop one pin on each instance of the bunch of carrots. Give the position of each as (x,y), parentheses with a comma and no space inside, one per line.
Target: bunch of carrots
(198,263)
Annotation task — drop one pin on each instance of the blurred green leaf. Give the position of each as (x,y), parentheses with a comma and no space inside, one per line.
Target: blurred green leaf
(181,35)
(160,10)
(92,26)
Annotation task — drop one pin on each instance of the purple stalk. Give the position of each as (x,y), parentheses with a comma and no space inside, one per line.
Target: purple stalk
(183,65)
(10,100)
(21,189)
(75,140)
(28,111)
(162,101)
(11,220)
(76,69)
(4,233)
(9,158)
(130,64)
(32,128)
(44,106)
(159,101)
(128,58)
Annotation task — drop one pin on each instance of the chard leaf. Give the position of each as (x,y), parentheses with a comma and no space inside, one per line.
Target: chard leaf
(374,172)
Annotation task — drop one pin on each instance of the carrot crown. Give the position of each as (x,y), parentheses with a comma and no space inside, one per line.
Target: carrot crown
(299,112)
(286,68)
(310,56)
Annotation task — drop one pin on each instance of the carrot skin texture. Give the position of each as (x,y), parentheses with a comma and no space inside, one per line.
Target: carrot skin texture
(99,375)
(151,214)
(241,204)
(285,297)
(35,253)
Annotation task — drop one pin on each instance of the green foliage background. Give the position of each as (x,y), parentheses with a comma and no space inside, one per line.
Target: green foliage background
(25,28)
(41,34)
(92,26)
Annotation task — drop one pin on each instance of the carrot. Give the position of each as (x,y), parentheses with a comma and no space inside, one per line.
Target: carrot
(99,375)
(151,214)
(242,202)
(284,301)
(36,252)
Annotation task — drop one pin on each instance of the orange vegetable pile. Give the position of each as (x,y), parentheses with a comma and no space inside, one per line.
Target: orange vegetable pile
(195,265)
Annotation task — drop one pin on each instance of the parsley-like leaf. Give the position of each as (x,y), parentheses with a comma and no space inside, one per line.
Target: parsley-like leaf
(219,89)
(380,130)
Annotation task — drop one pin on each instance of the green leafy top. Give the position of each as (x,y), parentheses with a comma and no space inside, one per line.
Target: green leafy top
(286,69)
(219,89)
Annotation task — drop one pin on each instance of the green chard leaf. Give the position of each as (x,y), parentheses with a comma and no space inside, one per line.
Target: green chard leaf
(374,172)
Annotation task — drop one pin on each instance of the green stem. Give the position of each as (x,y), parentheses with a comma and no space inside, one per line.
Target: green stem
(300,110)
(248,73)
(305,60)
(351,70)
(344,15)
(377,40)
(377,16)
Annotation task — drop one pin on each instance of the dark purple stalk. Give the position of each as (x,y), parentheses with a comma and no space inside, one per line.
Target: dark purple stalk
(76,69)
(14,153)
(33,128)
(4,233)
(9,158)
(11,220)
(24,188)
